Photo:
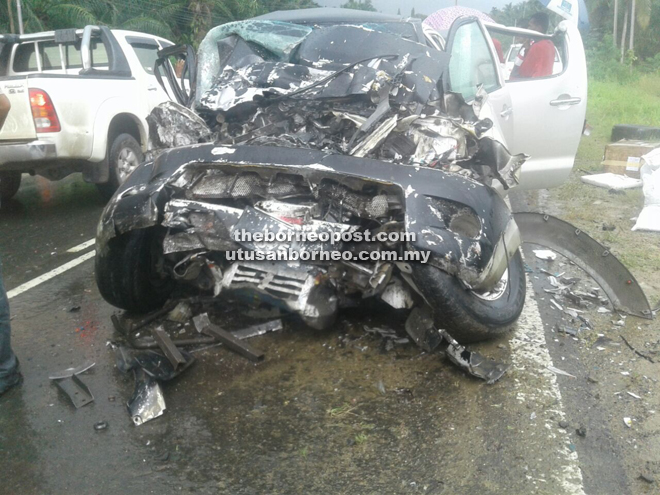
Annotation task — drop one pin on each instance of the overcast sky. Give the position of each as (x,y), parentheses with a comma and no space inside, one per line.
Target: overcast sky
(423,6)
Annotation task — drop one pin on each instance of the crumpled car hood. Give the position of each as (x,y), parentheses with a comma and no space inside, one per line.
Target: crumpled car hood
(359,90)
(427,195)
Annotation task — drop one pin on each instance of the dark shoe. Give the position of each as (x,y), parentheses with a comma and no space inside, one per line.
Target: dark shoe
(11,381)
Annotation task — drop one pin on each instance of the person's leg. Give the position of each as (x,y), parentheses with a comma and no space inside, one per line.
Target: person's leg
(9,375)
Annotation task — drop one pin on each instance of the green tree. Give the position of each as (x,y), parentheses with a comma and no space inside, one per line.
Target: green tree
(359,5)
(185,21)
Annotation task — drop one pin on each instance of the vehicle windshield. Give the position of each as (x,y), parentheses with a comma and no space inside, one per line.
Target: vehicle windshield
(276,41)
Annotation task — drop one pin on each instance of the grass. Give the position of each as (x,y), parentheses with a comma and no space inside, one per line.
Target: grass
(611,103)
(589,207)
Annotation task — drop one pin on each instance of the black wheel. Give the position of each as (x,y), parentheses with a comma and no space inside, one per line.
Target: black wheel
(635,132)
(124,156)
(128,274)
(471,316)
(9,184)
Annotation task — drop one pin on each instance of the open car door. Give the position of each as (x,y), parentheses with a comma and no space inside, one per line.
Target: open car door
(541,117)
(176,72)
(548,112)
(474,64)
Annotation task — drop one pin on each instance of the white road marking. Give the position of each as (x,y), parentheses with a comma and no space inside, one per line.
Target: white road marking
(530,358)
(51,274)
(81,247)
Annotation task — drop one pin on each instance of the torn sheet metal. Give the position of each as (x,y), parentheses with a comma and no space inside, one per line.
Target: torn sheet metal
(69,372)
(166,345)
(421,328)
(75,389)
(147,401)
(172,125)
(159,367)
(68,382)
(259,329)
(154,363)
(613,277)
(473,362)
(204,325)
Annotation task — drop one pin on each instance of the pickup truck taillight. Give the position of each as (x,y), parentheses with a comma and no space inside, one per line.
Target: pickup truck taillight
(43,111)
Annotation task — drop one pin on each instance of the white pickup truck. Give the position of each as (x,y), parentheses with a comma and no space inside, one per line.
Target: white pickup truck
(79,100)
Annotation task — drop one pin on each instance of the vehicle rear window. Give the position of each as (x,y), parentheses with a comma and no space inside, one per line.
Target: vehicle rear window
(50,55)
(99,55)
(25,58)
(72,54)
(147,55)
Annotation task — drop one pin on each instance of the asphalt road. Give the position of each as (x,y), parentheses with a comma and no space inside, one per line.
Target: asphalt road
(331,412)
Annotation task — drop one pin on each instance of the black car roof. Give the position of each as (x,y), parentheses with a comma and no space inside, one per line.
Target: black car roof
(325,14)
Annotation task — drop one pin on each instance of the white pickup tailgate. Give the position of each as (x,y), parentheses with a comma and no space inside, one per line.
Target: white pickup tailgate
(19,125)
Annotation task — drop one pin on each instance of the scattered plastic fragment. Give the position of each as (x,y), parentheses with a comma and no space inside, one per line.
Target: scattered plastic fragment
(557,371)
(101,425)
(545,254)
(628,422)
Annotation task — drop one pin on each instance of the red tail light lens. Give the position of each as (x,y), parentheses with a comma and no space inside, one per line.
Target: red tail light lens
(43,111)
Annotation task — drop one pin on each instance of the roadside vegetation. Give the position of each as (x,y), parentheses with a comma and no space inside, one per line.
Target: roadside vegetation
(594,210)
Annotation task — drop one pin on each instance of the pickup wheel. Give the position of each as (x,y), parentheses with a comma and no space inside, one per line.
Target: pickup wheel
(9,184)
(124,156)
(128,274)
(471,316)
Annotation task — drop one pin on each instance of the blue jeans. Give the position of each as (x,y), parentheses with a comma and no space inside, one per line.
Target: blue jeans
(8,361)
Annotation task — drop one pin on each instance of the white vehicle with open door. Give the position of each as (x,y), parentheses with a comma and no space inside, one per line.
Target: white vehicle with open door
(79,102)
(542,117)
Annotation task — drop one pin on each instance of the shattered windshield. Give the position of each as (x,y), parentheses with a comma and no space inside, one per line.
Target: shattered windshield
(272,40)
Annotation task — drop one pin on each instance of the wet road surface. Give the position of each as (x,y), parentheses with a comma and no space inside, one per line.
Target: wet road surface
(330,412)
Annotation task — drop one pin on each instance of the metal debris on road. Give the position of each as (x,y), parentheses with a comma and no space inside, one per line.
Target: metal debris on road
(633,395)
(203,324)
(167,346)
(556,305)
(259,329)
(422,330)
(616,281)
(68,382)
(388,334)
(567,330)
(76,390)
(148,401)
(101,425)
(181,313)
(69,372)
(473,362)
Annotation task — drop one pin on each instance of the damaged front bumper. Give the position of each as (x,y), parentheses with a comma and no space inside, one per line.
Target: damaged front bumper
(466,225)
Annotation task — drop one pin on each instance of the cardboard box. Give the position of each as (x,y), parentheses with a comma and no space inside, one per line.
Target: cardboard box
(623,157)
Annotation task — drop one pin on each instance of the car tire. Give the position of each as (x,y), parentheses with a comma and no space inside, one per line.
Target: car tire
(9,185)
(467,315)
(635,133)
(124,155)
(126,272)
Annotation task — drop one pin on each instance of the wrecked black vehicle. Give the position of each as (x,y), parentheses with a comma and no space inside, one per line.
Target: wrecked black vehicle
(339,129)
